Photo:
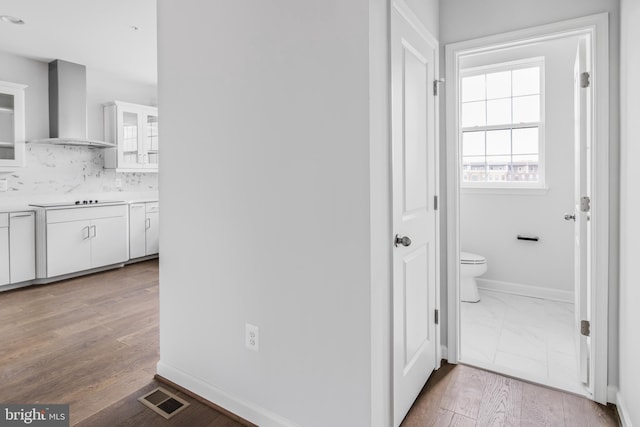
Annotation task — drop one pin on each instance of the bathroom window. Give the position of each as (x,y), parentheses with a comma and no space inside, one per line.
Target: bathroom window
(502,125)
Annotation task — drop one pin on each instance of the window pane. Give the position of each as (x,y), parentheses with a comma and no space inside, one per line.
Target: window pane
(473,114)
(499,85)
(499,142)
(473,169)
(498,171)
(473,88)
(473,143)
(526,81)
(499,112)
(525,141)
(524,168)
(526,109)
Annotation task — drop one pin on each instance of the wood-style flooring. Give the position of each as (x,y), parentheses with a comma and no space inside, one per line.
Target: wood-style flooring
(92,342)
(459,395)
(88,342)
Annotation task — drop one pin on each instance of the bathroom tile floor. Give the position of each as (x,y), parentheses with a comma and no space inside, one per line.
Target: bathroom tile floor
(529,338)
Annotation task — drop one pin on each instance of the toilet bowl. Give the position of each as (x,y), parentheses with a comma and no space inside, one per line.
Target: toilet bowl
(471,266)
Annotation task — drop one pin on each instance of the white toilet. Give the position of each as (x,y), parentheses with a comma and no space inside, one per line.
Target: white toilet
(471,266)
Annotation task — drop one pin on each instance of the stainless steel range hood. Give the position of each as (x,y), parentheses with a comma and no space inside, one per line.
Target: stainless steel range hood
(68,106)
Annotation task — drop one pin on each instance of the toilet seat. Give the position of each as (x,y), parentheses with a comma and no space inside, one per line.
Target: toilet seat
(470,258)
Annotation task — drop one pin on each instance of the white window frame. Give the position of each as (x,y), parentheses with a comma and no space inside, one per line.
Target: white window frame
(496,68)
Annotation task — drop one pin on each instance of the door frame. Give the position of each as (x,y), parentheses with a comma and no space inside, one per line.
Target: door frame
(597,28)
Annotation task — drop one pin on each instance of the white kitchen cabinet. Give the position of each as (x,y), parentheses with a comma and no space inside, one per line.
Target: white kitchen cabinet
(137,230)
(108,241)
(84,238)
(22,246)
(134,129)
(68,247)
(153,233)
(4,249)
(144,229)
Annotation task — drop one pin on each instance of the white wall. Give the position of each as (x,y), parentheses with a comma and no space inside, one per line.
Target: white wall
(490,220)
(265,190)
(466,19)
(630,205)
(66,170)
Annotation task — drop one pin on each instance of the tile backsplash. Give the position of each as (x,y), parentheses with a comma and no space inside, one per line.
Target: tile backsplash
(60,169)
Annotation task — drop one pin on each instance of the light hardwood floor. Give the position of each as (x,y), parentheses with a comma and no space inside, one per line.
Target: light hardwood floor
(89,341)
(92,342)
(459,395)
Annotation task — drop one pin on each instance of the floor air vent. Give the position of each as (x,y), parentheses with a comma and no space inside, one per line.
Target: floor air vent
(163,402)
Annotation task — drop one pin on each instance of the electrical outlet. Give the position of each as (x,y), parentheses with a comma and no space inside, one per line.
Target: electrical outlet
(118,183)
(4,185)
(251,337)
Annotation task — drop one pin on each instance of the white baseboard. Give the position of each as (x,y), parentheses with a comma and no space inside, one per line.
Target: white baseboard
(623,413)
(233,404)
(525,290)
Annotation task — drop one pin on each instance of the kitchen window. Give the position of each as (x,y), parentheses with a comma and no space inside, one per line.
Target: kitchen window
(502,125)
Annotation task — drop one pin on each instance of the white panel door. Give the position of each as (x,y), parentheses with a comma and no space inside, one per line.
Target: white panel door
(582,188)
(68,247)
(414,219)
(109,244)
(22,246)
(137,225)
(4,255)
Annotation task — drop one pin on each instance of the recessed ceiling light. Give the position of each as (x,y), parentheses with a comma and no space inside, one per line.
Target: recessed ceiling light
(11,19)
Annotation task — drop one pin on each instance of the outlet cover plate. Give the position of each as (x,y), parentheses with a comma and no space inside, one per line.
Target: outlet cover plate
(4,185)
(252,337)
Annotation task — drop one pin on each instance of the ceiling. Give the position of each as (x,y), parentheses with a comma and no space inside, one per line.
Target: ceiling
(96,33)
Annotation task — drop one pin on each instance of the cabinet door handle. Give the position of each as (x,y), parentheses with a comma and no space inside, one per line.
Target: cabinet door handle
(88,233)
(93,227)
(21,216)
(148,224)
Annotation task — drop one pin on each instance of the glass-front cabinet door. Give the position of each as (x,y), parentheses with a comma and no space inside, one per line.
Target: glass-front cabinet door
(151,139)
(134,130)
(130,153)
(12,133)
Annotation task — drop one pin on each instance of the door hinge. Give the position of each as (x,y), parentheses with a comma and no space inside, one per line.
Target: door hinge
(437,316)
(585,204)
(585,328)
(584,79)
(435,86)
(435,203)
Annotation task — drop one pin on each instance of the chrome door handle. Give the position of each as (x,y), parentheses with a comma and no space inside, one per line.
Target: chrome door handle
(88,233)
(569,217)
(401,240)
(147,223)
(95,233)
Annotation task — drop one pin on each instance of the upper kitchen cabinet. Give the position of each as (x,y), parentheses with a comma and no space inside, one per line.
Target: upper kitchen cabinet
(12,134)
(134,129)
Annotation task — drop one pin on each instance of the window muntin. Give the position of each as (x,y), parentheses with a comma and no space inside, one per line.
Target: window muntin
(501,125)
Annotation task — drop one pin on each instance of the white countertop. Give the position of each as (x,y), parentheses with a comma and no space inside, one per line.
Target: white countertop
(22,203)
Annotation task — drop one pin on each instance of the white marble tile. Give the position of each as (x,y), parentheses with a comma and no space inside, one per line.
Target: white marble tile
(534,337)
(524,340)
(479,342)
(563,369)
(513,362)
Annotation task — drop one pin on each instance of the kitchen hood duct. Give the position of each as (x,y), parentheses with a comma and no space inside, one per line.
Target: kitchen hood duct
(68,106)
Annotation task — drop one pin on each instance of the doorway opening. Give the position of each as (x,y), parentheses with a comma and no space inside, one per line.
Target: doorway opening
(527,214)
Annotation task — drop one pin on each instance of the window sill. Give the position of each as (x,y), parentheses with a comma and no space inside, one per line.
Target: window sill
(526,191)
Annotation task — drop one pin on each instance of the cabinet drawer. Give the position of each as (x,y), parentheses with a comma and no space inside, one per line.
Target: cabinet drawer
(4,219)
(83,214)
(153,207)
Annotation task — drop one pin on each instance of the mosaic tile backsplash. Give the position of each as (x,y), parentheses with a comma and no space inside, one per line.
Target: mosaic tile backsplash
(61,169)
